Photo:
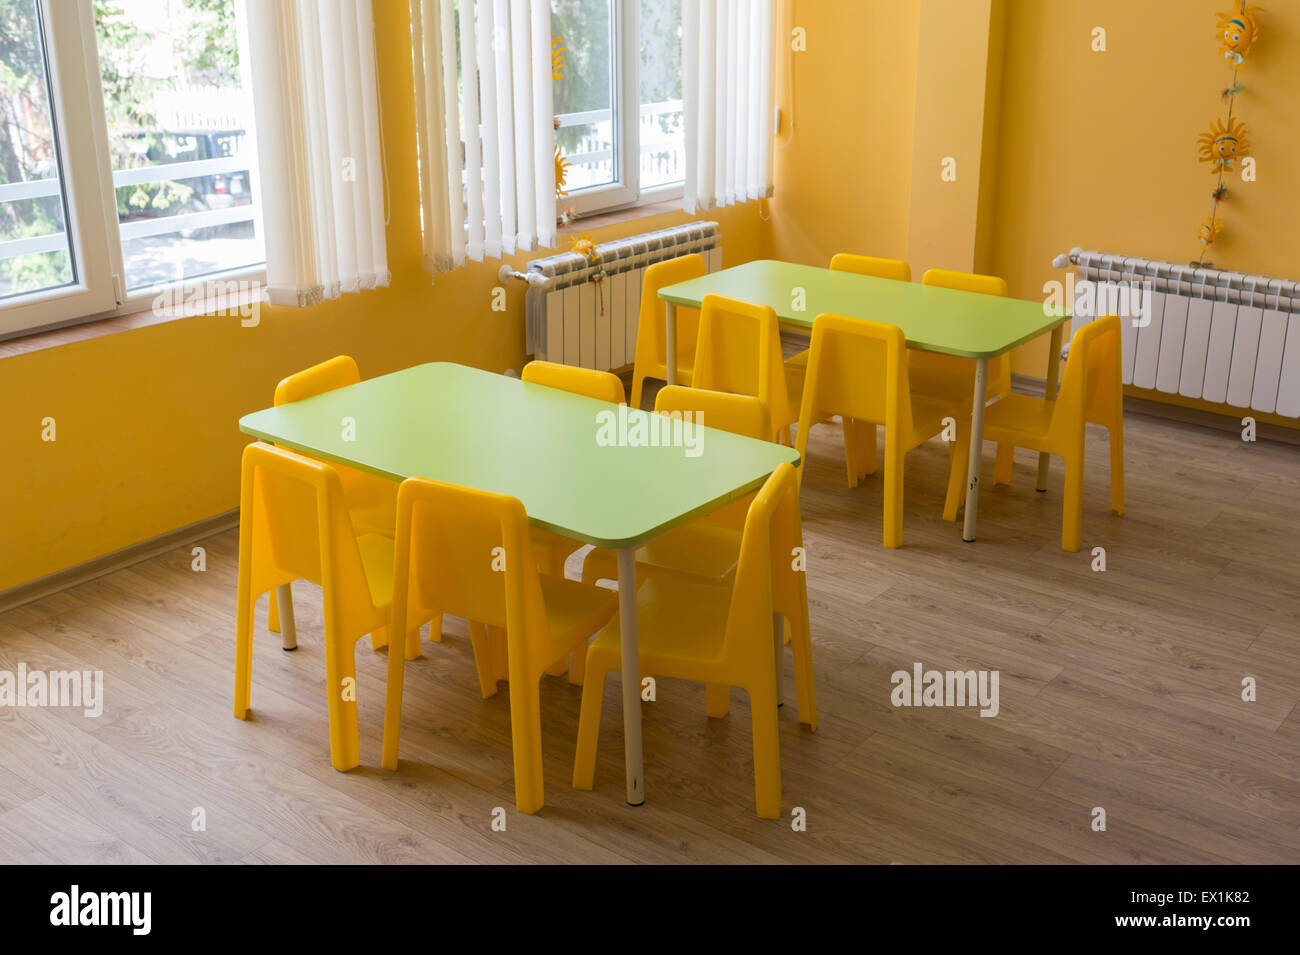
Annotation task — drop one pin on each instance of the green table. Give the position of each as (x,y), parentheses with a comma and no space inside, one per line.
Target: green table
(461,425)
(951,322)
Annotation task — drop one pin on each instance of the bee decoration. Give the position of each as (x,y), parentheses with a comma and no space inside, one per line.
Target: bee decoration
(1222,144)
(558,50)
(1209,231)
(1237,33)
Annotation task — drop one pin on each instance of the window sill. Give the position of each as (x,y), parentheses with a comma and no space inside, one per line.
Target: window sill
(586,223)
(82,330)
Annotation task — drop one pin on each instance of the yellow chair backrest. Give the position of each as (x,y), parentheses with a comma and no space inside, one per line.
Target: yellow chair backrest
(300,529)
(338,372)
(739,414)
(581,381)
(858,369)
(468,553)
(652,316)
(749,617)
(965,281)
(1092,384)
(870,265)
(739,351)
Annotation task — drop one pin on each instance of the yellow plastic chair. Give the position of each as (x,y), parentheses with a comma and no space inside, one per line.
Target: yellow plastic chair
(651,357)
(1091,390)
(294,525)
(709,546)
(371,501)
(895,269)
(458,552)
(951,376)
(739,351)
(859,370)
(797,367)
(553,549)
(717,634)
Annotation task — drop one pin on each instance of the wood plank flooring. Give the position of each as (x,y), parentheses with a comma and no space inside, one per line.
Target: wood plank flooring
(1120,690)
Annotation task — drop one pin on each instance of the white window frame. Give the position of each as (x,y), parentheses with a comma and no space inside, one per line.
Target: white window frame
(94,236)
(625,192)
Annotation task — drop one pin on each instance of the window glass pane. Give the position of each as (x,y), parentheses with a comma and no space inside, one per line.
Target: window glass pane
(34,250)
(663,136)
(178,125)
(584,96)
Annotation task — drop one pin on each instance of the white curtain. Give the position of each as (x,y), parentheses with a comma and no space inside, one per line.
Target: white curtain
(727,93)
(318,144)
(487,169)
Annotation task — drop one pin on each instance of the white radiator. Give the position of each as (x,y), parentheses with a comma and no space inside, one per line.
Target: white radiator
(577,321)
(1223,337)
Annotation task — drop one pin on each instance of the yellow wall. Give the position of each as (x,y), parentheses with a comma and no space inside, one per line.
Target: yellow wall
(842,179)
(957,47)
(147,435)
(1099,149)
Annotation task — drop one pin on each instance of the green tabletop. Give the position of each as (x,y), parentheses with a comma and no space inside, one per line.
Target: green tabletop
(477,429)
(966,324)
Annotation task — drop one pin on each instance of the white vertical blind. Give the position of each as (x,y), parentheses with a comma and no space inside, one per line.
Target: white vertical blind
(497,114)
(727,93)
(321,169)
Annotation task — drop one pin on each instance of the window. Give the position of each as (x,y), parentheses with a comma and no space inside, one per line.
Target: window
(125,154)
(619,101)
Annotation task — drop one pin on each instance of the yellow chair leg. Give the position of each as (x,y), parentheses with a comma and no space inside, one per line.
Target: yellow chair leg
(801,648)
(958,461)
(1117,468)
(593,696)
(273,612)
(893,524)
(393,707)
(379,639)
(1003,463)
(413,648)
(559,667)
(435,629)
(578,664)
(1072,510)
(638,383)
(341,699)
(243,643)
(717,700)
(767,750)
(485,658)
(526,735)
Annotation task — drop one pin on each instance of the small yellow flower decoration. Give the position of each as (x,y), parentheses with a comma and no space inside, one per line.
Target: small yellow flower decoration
(561,173)
(1237,32)
(1222,144)
(1209,231)
(585,246)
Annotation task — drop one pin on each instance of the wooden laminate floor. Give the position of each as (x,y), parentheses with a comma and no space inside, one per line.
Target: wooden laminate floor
(1120,690)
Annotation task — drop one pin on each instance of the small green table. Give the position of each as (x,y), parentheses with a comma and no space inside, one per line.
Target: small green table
(465,426)
(951,322)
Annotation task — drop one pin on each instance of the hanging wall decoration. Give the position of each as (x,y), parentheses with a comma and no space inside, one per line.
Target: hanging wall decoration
(1226,142)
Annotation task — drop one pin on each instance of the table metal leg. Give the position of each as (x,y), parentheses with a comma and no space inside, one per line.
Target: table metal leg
(288,633)
(1053,379)
(631,674)
(670,336)
(976,449)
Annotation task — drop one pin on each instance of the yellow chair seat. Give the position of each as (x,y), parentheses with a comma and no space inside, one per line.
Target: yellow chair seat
(372,503)
(681,624)
(574,609)
(1027,417)
(377,562)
